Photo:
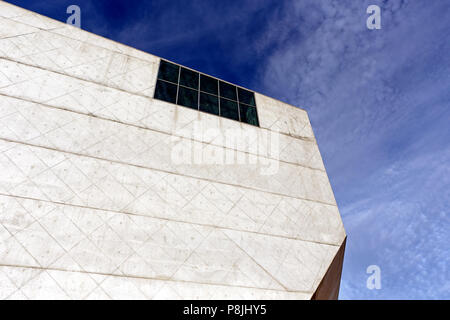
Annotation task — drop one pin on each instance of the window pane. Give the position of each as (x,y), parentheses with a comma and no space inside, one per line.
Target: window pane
(208,84)
(228,91)
(168,71)
(209,103)
(189,78)
(165,91)
(246,97)
(248,114)
(188,98)
(229,109)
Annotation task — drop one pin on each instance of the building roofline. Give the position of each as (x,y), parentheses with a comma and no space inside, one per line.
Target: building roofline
(145,52)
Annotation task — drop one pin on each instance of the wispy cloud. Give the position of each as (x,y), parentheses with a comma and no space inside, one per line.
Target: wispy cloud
(379,103)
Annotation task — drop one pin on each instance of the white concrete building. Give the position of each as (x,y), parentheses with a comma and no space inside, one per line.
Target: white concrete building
(109,192)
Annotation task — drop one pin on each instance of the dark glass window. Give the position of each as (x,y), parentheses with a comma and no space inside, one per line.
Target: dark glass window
(248,114)
(188,97)
(188,88)
(166,91)
(208,84)
(168,71)
(228,91)
(209,103)
(246,97)
(189,78)
(229,109)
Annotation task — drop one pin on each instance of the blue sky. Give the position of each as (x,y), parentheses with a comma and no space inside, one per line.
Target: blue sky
(378,100)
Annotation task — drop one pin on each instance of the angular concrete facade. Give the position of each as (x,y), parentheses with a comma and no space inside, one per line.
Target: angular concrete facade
(93,205)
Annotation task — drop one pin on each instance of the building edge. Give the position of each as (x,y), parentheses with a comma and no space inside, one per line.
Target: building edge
(328,288)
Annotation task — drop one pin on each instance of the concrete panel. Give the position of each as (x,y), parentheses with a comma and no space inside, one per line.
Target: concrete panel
(47,174)
(92,99)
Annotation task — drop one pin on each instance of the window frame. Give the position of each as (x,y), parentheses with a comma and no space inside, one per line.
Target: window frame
(200,91)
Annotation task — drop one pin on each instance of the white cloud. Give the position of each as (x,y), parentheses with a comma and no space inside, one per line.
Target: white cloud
(379,105)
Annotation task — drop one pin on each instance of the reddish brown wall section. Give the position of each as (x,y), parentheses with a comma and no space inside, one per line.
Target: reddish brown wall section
(328,289)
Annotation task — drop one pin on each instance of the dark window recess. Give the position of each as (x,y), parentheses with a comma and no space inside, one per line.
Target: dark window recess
(248,114)
(246,97)
(209,103)
(205,93)
(168,71)
(229,109)
(208,84)
(188,98)
(189,78)
(166,91)
(228,91)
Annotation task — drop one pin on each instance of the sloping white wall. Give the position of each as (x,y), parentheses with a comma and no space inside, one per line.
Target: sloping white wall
(93,205)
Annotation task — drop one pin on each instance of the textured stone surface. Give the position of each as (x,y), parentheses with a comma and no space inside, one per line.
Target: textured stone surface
(93,205)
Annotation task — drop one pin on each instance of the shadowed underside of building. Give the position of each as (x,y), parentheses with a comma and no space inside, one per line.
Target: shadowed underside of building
(119,179)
